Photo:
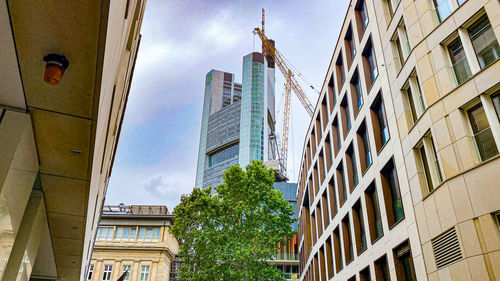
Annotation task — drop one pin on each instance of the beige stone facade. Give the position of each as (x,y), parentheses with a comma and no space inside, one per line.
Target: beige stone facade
(399,173)
(134,239)
(57,142)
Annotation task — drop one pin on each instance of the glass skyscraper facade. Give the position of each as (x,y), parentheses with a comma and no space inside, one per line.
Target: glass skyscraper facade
(236,119)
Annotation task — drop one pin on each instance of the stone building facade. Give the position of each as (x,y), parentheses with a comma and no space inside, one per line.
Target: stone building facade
(134,239)
(398,178)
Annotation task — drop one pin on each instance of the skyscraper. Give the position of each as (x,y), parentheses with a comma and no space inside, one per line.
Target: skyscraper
(398,179)
(236,119)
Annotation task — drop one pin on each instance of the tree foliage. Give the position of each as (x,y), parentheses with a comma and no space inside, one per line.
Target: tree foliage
(240,222)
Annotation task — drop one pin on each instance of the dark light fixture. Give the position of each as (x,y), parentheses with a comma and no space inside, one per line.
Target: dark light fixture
(55,65)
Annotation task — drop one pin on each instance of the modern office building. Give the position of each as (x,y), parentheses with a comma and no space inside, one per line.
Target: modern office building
(236,120)
(287,252)
(398,178)
(134,239)
(65,75)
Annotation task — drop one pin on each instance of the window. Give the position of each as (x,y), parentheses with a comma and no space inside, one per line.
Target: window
(105,233)
(144,273)
(373,212)
(328,152)
(324,208)
(107,272)
(496,103)
(359,228)
(156,234)
(125,233)
(443,9)
(337,144)
(364,275)
(352,171)
(336,246)
(483,136)
(90,272)
(340,72)
(346,235)
(223,154)
(350,45)
(356,93)
(369,65)
(329,257)
(391,6)
(324,113)
(484,41)
(333,198)
(346,117)
(392,194)
(381,269)
(365,155)
(401,44)
(429,162)
(379,122)
(331,93)
(126,268)
(460,65)
(341,184)
(321,254)
(413,95)
(361,17)
(403,262)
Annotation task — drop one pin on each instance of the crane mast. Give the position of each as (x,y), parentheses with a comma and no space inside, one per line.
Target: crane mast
(291,84)
(284,70)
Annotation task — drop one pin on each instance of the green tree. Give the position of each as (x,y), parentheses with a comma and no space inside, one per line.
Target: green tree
(239,222)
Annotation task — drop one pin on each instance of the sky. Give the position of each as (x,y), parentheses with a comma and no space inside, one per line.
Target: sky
(182,40)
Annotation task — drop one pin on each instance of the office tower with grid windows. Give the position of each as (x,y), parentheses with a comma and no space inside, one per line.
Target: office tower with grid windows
(398,179)
(236,119)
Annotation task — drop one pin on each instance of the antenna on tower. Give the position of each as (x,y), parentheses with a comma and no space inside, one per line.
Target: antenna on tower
(263,23)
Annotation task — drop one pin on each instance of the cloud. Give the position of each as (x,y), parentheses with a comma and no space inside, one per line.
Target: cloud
(181,41)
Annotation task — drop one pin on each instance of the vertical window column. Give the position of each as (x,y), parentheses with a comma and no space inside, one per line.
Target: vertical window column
(492,106)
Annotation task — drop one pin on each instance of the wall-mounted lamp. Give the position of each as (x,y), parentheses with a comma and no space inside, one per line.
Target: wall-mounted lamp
(55,65)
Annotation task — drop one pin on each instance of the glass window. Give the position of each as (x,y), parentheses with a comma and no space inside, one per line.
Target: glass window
(156,234)
(460,65)
(443,9)
(133,232)
(484,41)
(106,276)
(496,103)
(352,159)
(105,233)
(405,271)
(427,171)
(397,44)
(483,137)
(144,273)
(373,211)
(126,268)
(381,269)
(381,130)
(392,194)
(140,236)
(149,234)
(364,148)
(373,65)
(118,234)
(90,272)
(126,233)
(361,9)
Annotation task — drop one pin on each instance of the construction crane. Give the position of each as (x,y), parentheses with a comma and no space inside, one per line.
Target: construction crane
(269,50)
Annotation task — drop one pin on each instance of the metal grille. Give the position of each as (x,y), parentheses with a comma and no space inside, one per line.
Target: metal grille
(446,248)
